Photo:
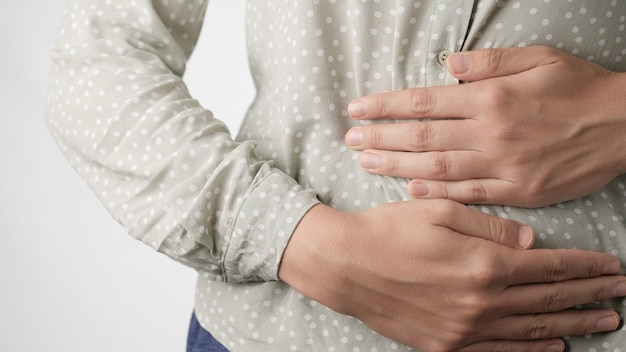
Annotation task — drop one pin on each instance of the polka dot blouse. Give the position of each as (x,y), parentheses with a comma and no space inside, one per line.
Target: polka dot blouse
(172,174)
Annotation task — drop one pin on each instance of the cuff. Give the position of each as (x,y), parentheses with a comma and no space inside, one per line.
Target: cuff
(263,226)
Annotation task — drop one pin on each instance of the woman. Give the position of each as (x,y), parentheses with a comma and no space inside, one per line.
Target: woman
(247,213)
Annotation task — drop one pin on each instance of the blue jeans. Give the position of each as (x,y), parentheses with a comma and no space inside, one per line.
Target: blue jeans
(200,340)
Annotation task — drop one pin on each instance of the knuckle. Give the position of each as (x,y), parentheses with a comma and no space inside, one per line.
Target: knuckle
(557,300)
(600,294)
(440,165)
(484,274)
(534,193)
(536,190)
(497,229)
(594,269)
(449,208)
(501,347)
(421,134)
(440,191)
(546,52)
(390,163)
(558,269)
(496,96)
(537,329)
(476,306)
(441,346)
(444,208)
(583,327)
(374,137)
(379,105)
(423,102)
(477,192)
(457,335)
(441,210)
(492,58)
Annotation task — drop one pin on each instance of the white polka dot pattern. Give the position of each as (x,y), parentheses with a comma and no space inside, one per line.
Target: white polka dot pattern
(170,172)
(160,163)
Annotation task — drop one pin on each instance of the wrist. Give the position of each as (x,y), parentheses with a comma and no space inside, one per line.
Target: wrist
(617,89)
(622,90)
(311,262)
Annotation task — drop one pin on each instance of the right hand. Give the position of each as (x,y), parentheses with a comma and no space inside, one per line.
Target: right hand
(438,276)
(536,126)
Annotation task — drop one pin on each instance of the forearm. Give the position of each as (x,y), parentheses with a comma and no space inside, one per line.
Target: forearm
(162,165)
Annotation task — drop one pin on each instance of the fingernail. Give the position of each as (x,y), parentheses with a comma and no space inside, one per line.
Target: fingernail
(354,137)
(419,189)
(357,108)
(620,289)
(458,63)
(607,323)
(612,267)
(525,236)
(370,160)
(555,348)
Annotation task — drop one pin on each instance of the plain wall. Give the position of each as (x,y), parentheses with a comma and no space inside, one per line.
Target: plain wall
(71,278)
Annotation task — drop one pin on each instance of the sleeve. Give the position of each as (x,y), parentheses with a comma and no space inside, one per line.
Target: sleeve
(161,164)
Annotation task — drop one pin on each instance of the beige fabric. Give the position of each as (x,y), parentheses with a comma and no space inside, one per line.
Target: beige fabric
(169,171)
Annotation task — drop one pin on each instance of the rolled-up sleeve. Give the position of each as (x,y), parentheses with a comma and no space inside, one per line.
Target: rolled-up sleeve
(161,164)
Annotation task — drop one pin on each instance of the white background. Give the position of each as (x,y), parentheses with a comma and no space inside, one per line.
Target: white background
(70,277)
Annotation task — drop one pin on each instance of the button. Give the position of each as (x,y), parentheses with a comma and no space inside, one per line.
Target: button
(443,56)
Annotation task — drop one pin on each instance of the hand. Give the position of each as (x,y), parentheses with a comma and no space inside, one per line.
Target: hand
(536,126)
(439,276)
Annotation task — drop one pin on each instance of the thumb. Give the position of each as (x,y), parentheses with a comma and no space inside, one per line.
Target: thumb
(481,64)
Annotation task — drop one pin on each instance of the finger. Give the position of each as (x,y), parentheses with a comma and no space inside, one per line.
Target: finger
(495,62)
(553,265)
(444,166)
(552,345)
(555,297)
(551,325)
(416,136)
(474,223)
(452,101)
(471,191)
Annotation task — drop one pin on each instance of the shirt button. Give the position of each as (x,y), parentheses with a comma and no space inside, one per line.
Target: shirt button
(443,56)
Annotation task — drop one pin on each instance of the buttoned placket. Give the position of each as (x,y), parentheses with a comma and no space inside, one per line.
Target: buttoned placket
(450,23)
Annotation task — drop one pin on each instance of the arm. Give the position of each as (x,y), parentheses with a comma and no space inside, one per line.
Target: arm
(431,274)
(169,172)
(162,165)
(535,123)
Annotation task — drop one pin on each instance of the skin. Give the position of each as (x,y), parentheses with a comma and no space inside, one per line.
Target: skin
(406,268)
(533,122)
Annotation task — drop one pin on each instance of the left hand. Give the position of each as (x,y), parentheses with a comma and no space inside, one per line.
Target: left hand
(535,126)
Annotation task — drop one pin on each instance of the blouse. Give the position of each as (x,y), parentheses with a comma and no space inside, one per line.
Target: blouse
(173,175)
